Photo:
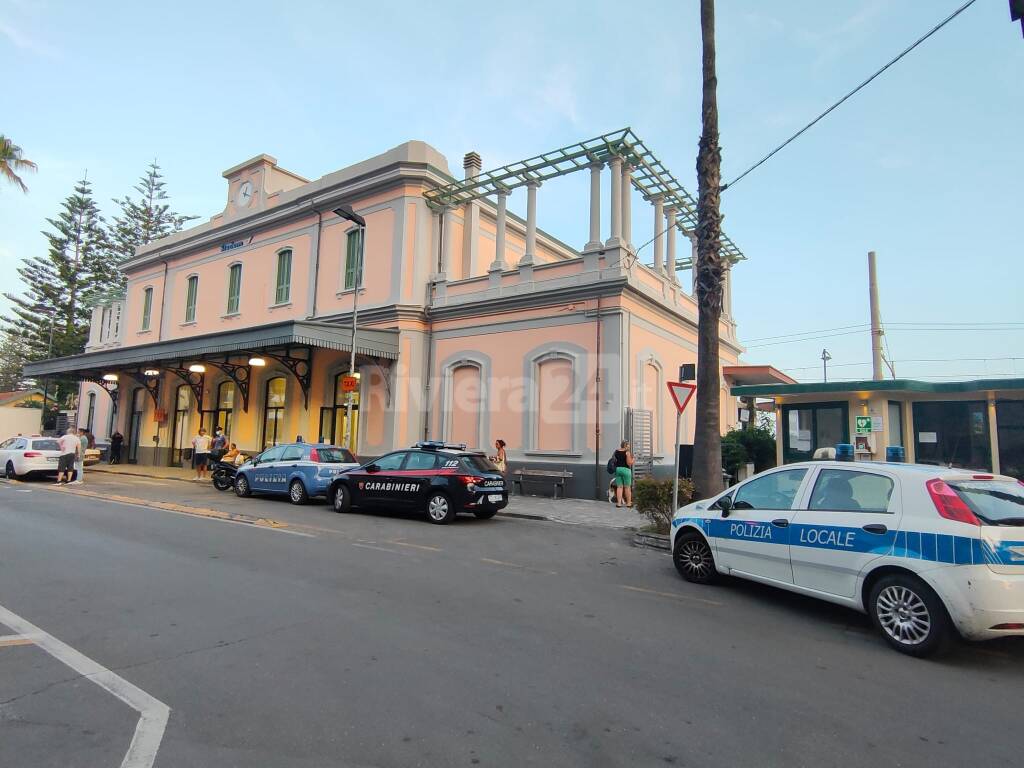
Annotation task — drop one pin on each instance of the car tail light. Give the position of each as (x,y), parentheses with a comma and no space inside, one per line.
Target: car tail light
(983,477)
(949,504)
(470,479)
(314,455)
(33,454)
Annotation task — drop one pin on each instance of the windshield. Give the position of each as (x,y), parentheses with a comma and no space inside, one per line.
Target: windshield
(336,456)
(45,445)
(995,502)
(477,462)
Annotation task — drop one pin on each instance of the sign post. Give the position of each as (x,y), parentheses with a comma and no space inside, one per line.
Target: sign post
(681,393)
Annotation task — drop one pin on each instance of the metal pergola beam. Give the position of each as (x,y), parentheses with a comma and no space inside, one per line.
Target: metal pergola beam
(650,177)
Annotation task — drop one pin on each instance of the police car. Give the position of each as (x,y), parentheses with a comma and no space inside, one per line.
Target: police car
(922,550)
(300,470)
(441,479)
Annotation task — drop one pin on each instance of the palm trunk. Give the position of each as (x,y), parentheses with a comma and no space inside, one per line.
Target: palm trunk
(707,448)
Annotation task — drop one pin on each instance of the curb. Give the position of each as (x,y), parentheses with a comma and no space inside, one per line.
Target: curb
(140,474)
(524,516)
(659,541)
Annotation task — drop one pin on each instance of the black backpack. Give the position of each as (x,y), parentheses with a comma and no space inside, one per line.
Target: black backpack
(611,465)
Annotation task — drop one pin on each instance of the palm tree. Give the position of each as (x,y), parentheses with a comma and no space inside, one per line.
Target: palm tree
(12,163)
(707,442)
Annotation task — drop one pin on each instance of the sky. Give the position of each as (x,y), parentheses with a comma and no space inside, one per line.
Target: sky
(924,166)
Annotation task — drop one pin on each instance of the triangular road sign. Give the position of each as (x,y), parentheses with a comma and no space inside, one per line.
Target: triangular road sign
(681,393)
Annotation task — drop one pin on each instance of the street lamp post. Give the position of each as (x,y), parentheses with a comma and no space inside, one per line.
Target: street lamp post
(825,357)
(346,212)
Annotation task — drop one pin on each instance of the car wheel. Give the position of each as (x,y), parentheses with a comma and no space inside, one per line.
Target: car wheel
(485,514)
(693,558)
(242,489)
(297,492)
(9,471)
(342,500)
(440,509)
(909,614)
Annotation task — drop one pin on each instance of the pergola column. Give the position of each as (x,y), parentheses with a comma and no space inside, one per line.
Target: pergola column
(659,234)
(595,244)
(627,205)
(615,239)
(670,252)
(447,225)
(499,234)
(693,260)
(531,224)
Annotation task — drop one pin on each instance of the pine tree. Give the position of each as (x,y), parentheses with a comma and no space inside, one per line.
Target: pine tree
(144,219)
(61,286)
(13,356)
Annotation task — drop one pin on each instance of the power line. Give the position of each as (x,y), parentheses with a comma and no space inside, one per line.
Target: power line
(805,333)
(811,124)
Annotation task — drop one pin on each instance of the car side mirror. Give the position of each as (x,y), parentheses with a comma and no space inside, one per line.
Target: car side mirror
(724,504)
(373,468)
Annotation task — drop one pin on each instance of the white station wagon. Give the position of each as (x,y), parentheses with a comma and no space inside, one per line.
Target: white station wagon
(922,550)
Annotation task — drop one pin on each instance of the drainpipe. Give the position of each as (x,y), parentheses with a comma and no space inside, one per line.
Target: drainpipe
(597,408)
(163,301)
(430,333)
(316,261)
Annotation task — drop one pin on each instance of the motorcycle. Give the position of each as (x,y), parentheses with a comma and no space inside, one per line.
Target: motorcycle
(223,475)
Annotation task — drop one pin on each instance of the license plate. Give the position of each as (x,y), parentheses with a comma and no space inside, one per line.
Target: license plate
(494,497)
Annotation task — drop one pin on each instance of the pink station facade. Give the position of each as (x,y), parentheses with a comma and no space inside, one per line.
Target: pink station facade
(472,324)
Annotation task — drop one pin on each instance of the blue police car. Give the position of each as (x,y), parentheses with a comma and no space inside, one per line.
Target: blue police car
(300,470)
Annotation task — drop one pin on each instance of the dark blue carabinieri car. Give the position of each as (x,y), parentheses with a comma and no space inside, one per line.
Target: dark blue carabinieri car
(298,470)
(440,479)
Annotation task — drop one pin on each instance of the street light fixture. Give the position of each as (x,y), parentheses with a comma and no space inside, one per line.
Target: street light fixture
(825,357)
(257,362)
(197,368)
(346,212)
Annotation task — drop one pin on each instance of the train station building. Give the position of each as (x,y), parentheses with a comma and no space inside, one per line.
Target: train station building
(471,323)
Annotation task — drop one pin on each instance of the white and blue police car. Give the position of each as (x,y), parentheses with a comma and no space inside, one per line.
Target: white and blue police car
(300,470)
(925,551)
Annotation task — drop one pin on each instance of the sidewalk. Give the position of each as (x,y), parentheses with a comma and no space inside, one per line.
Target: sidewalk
(568,511)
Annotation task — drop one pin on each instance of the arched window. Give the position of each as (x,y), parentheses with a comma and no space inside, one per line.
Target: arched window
(90,412)
(225,406)
(465,400)
(191,293)
(273,411)
(180,437)
(284,277)
(147,307)
(234,288)
(134,436)
(652,400)
(555,409)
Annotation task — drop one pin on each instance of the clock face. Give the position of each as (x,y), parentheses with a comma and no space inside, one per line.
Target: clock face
(244,196)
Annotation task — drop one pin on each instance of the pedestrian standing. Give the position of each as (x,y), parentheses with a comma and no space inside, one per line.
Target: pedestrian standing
(219,445)
(70,447)
(83,444)
(499,458)
(624,474)
(116,441)
(200,453)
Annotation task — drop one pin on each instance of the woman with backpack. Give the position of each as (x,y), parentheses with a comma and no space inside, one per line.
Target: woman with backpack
(622,460)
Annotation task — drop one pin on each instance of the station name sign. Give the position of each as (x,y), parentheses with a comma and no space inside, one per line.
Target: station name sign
(232,245)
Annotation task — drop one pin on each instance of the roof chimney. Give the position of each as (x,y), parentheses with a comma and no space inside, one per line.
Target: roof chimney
(472,165)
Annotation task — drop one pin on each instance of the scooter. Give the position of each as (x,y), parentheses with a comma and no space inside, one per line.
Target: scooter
(223,475)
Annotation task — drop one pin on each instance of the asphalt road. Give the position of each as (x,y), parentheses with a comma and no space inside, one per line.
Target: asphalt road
(385,641)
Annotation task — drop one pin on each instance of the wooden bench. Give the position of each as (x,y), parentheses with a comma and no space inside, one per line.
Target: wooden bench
(556,477)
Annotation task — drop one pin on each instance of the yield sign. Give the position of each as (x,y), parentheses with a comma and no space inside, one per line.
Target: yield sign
(681,393)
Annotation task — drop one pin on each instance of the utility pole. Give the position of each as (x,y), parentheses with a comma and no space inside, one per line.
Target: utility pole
(876,321)
(825,357)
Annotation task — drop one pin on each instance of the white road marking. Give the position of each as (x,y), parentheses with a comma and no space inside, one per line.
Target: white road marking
(379,549)
(414,546)
(153,714)
(517,565)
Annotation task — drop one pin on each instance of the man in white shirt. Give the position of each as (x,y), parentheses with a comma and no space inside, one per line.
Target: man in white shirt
(83,442)
(70,447)
(200,453)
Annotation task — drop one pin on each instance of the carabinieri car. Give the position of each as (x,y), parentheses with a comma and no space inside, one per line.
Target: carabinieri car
(438,478)
(923,550)
(300,470)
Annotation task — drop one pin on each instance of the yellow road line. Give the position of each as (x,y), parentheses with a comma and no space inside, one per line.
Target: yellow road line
(516,565)
(262,522)
(414,546)
(9,640)
(675,595)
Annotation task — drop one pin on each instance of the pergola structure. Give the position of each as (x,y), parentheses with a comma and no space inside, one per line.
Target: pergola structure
(631,163)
